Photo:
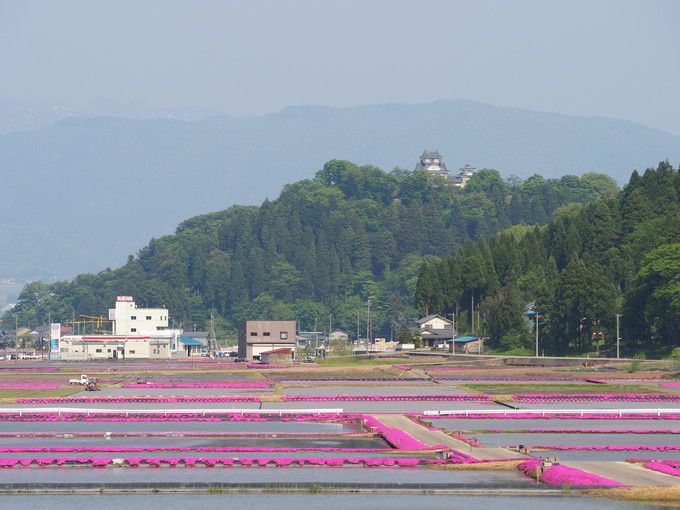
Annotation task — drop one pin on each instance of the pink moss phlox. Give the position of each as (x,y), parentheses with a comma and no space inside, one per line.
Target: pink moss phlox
(28,386)
(557,474)
(386,398)
(669,468)
(556,415)
(235,384)
(401,367)
(227,461)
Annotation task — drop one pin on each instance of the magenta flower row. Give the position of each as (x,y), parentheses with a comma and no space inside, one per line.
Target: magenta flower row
(596,397)
(200,385)
(255,398)
(557,474)
(671,385)
(501,378)
(608,448)
(28,416)
(28,386)
(669,468)
(31,369)
(224,462)
(401,367)
(565,416)
(213,449)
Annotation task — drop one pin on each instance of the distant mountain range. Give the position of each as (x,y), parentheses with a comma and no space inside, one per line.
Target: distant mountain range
(82,193)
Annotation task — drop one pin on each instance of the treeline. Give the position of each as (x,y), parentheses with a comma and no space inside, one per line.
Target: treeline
(617,255)
(318,252)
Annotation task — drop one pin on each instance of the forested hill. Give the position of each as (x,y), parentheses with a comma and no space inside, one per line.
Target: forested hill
(617,255)
(321,249)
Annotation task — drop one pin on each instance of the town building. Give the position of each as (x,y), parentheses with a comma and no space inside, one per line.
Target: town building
(464,175)
(129,320)
(256,337)
(432,163)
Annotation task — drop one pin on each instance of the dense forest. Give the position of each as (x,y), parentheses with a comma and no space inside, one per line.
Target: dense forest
(325,246)
(619,254)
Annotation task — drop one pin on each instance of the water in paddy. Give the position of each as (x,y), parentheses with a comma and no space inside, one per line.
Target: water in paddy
(346,474)
(312,501)
(189,442)
(551,424)
(179,426)
(504,439)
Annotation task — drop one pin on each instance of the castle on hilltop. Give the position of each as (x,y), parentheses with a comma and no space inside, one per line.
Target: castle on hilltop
(432,163)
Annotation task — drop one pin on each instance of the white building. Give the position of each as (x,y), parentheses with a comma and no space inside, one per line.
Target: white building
(89,347)
(130,320)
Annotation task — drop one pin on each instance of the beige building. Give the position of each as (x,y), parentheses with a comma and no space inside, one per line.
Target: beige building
(282,356)
(256,337)
(83,347)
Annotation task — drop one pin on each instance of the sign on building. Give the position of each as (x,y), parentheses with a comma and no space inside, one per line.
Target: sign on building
(55,337)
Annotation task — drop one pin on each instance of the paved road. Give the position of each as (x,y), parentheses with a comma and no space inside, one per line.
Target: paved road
(624,472)
(437,437)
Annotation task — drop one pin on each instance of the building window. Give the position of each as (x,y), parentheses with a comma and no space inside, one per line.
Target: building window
(97,350)
(266,333)
(108,350)
(283,335)
(133,317)
(132,352)
(253,333)
(148,317)
(133,330)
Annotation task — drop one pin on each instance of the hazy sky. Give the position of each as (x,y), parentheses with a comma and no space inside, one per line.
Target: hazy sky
(614,58)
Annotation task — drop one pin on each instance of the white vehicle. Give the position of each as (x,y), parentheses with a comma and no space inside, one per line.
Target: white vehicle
(84,380)
(406,347)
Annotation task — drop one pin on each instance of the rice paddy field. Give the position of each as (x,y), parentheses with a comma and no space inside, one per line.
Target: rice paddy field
(397,425)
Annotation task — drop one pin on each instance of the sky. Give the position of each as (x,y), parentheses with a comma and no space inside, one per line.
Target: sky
(612,58)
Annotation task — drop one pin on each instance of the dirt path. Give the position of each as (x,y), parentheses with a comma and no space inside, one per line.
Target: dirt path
(624,472)
(436,437)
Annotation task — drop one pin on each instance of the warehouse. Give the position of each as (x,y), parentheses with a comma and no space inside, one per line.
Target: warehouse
(91,347)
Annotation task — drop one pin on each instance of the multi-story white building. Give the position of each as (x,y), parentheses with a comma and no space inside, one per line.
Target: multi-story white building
(130,320)
(432,163)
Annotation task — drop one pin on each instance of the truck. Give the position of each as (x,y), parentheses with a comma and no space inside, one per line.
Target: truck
(84,380)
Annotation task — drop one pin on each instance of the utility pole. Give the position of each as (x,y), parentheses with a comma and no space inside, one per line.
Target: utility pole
(211,337)
(537,334)
(368,323)
(618,336)
(472,315)
(453,332)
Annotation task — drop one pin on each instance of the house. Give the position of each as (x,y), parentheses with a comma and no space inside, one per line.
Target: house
(432,163)
(282,356)
(256,337)
(435,330)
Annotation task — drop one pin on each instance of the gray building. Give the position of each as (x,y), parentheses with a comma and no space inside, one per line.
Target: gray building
(256,337)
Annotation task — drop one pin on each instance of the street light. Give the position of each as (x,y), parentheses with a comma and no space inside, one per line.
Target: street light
(537,316)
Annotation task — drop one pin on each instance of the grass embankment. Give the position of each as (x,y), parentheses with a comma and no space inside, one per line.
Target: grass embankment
(13,394)
(500,465)
(514,389)
(342,361)
(659,495)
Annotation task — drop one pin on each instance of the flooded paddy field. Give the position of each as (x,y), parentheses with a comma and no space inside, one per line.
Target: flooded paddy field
(266,427)
(370,389)
(315,501)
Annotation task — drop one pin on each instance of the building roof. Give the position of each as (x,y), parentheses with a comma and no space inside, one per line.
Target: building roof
(432,316)
(465,339)
(187,340)
(280,350)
